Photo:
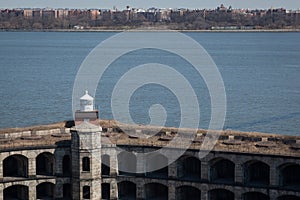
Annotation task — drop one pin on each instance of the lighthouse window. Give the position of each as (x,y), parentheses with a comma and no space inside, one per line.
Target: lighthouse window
(86,192)
(86,164)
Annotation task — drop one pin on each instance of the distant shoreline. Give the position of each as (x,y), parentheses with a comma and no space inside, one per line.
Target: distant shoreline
(147,29)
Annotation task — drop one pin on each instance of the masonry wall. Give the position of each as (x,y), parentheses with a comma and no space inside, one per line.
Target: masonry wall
(174,184)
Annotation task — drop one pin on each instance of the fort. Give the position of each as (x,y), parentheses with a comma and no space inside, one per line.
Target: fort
(97,159)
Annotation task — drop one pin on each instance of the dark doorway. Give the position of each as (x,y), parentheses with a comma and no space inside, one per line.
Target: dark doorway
(45,191)
(86,193)
(105,165)
(189,168)
(19,192)
(45,164)
(15,166)
(127,190)
(290,176)
(222,171)
(67,191)
(220,194)
(256,173)
(156,191)
(188,192)
(105,188)
(66,165)
(86,164)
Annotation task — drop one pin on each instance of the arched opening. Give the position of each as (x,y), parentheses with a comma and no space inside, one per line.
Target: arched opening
(105,165)
(105,190)
(189,168)
(156,191)
(86,164)
(127,190)
(256,173)
(19,192)
(222,171)
(288,197)
(157,166)
(188,192)
(66,165)
(289,176)
(45,164)
(126,163)
(45,191)
(15,166)
(255,196)
(67,191)
(220,194)
(86,193)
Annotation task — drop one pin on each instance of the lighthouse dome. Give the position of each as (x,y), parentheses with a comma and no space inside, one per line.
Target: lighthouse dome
(86,102)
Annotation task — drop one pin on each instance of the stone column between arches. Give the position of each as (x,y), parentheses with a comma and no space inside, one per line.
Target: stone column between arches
(239,173)
(172,190)
(1,168)
(113,190)
(31,167)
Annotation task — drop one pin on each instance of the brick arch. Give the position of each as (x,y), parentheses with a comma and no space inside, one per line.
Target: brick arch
(39,151)
(187,192)
(45,163)
(59,154)
(221,170)
(198,185)
(127,162)
(15,165)
(212,156)
(127,190)
(256,158)
(219,187)
(188,167)
(282,162)
(256,172)
(25,183)
(255,196)
(147,181)
(156,190)
(220,194)
(191,153)
(46,190)
(17,191)
(46,181)
(157,165)
(27,154)
(289,175)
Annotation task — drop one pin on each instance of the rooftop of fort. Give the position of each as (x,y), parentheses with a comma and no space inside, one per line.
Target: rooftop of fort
(59,135)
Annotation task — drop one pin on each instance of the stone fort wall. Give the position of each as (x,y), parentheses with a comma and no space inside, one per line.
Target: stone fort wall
(39,164)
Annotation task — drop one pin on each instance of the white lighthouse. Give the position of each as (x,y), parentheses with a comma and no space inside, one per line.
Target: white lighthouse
(87,110)
(86,102)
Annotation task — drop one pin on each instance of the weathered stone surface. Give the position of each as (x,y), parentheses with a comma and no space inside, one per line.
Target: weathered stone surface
(86,141)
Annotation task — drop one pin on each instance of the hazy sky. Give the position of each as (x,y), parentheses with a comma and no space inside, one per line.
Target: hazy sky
(121,4)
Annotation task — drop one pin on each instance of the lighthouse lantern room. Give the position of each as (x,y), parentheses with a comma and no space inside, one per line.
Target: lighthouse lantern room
(87,110)
(86,102)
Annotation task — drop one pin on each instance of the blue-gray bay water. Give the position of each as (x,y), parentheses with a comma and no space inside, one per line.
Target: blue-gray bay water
(261,74)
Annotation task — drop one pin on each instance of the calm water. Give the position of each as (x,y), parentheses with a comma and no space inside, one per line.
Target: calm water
(261,73)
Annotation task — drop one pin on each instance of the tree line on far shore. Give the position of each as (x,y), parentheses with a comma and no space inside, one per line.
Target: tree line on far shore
(187,20)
